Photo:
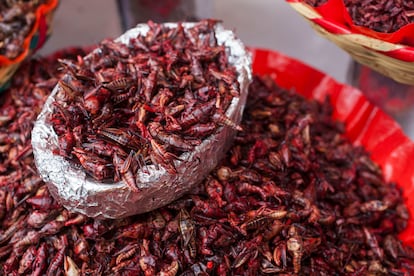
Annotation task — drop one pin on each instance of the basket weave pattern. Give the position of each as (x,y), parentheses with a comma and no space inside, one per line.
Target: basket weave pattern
(374,53)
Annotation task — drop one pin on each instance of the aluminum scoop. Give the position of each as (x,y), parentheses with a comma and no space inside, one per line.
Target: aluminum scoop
(78,192)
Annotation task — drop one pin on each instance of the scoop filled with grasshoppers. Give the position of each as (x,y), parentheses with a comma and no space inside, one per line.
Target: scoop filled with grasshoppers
(141,120)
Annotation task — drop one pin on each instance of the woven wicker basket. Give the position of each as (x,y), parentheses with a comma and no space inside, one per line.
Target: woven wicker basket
(41,29)
(377,54)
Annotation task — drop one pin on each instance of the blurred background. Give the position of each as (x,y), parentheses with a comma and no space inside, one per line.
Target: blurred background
(262,23)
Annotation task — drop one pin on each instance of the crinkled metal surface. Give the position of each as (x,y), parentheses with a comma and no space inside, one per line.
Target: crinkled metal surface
(78,192)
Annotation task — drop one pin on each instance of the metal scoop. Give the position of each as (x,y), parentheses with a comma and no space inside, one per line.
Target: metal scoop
(78,192)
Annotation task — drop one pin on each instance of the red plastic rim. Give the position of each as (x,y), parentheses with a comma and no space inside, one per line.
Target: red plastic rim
(41,12)
(334,18)
(366,125)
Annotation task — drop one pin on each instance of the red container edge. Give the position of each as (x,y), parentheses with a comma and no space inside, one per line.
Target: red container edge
(366,125)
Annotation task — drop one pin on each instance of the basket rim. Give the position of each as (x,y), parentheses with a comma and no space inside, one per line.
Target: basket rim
(42,10)
(393,50)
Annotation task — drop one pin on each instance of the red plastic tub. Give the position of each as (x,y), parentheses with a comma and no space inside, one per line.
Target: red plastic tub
(365,123)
